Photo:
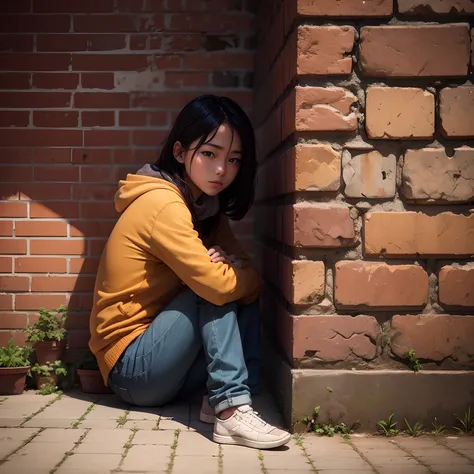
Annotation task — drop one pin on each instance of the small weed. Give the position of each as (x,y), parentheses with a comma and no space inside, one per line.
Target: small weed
(438,430)
(121,420)
(327,429)
(76,423)
(413,362)
(329,389)
(414,430)
(467,423)
(388,427)
(48,389)
(173,450)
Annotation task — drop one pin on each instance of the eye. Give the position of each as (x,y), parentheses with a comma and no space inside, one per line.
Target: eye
(235,160)
(209,154)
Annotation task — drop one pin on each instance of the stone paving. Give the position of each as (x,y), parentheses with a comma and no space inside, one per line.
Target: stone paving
(74,433)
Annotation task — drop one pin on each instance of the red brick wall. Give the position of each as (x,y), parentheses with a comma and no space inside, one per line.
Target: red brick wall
(365,112)
(88,91)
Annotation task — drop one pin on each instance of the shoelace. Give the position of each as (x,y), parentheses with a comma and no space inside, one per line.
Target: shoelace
(254,418)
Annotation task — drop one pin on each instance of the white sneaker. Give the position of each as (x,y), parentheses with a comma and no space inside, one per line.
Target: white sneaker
(246,428)
(207,414)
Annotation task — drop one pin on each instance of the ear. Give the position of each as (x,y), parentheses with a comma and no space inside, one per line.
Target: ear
(178,152)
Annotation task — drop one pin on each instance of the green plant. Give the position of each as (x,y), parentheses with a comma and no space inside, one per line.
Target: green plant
(438,430)
(14,356)
(388,427)
(87,360)
(467,423)
(413,362)
(48,389)
(414,430)
(327,429)
(56,367)
(49,327)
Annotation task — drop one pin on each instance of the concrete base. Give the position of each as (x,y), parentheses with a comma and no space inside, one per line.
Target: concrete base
(370,396)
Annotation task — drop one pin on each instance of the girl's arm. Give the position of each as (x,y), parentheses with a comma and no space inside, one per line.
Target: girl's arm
(177,244)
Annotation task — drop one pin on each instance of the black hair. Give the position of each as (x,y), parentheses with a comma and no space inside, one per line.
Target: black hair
(199,119)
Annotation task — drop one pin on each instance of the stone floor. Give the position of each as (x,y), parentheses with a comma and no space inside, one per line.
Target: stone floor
(75,433)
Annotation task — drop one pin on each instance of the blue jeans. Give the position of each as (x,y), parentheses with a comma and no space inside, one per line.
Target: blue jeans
(192,343)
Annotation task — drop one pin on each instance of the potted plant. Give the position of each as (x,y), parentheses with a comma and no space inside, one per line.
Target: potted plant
(48,335)
(14,367)
(48,374)
(89,374)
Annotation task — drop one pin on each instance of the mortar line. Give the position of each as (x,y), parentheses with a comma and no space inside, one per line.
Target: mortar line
(299,441)
(416,458)
(363,456)
(122,419)
(28,418)
(76,423)
(220,460)
(262,464)
(450,448)
(70,452)
(173,451)
(22,445)
(127,446)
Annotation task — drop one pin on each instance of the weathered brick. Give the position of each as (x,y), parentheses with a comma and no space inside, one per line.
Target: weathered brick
(331,338)
(430,175)
(427,7)
(404,51)
(351,8)
(314,167)
(434,337)
(456,286)
(456,108)
(302,280)
(370,175)
(322,109)
(361,285)
(322,50)
(400,234)
(308,225)
(396,112)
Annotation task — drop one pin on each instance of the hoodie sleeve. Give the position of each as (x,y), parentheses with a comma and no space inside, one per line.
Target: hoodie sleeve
(177,244)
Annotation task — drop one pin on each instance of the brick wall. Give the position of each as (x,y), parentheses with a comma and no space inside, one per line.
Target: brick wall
(88,91)
(365,113)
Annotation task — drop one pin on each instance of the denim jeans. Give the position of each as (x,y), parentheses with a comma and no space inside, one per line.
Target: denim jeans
(192,343)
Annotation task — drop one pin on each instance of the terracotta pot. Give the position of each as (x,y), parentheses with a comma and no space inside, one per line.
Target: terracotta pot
(92,382)
(49,351)
(12,380)
(45,379)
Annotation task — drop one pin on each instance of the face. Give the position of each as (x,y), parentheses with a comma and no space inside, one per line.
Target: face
(214,165)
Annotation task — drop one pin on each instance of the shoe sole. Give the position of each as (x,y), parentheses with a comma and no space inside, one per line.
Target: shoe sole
(209,419)
(250,443)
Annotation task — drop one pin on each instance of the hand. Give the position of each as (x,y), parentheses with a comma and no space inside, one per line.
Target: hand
(218,255)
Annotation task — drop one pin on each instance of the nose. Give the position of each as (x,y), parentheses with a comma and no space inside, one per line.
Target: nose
(220,170)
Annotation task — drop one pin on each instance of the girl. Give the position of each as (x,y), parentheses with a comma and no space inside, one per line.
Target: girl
(175,298)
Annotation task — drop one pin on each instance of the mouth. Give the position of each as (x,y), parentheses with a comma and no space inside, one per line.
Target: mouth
(217,183)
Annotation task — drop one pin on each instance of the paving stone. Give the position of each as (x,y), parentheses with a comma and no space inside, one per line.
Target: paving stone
(100,461)
(59,435)
(285,460)
(99,424)
(144,413)
(103,412)
(200,427)
(164,438)
(239,459)
(200,465)
(463,446)
(147,458)
(195,444)
(170,424)
(12,438)
(14,410)
(140,424)
(325,462)
(106,435)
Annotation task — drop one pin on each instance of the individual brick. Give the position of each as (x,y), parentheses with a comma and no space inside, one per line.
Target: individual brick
(374,285)
(351,8)
(322,50)
(303,280)
(324,109)
(427,7)
(456,286)
(370,175)
(396,112)
(332,338)
(308,225)
(422,50)
(400,234)
(431,176)
(316,168)
(456,108)
(434,337)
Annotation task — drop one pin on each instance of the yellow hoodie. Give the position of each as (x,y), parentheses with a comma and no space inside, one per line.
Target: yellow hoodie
(152,251)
